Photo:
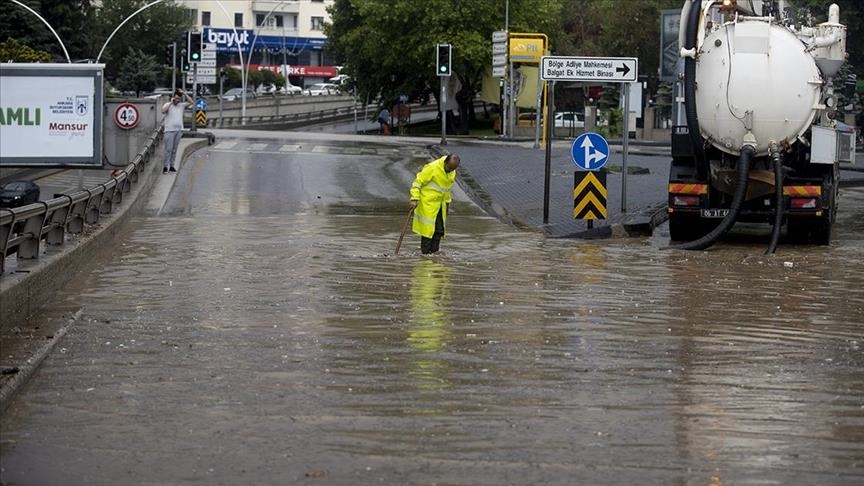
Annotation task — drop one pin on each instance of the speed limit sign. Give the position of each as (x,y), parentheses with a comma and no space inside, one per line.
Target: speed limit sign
(126,116)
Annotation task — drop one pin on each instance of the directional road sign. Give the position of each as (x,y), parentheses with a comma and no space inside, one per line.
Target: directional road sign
(590,151)
(208,79)
(201,118)
(201,104)
(589,195)
(605,69)
(208,50)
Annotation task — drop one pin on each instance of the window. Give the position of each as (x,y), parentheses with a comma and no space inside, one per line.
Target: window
(279,21)
(317,23)
(259,20)
(205,19)
(291,21)
(238,20)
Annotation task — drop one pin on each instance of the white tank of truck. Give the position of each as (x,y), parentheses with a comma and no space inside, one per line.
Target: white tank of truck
(756,75)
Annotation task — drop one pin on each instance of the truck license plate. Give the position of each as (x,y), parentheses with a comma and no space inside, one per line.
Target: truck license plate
(714,213)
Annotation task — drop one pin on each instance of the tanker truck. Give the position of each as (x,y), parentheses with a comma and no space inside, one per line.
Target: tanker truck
(760,142)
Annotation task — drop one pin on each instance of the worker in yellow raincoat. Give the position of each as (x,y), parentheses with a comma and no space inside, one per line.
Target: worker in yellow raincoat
(430,199)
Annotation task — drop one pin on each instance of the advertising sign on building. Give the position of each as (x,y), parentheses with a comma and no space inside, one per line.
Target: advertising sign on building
(51,115)
(229,40)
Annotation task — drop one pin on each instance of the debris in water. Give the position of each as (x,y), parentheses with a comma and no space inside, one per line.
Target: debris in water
(788,264)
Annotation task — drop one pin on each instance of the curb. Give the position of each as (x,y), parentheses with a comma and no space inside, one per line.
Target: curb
(25,371)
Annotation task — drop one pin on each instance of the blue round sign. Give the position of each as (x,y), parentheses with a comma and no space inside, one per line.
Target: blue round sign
(590,151)
(200,104)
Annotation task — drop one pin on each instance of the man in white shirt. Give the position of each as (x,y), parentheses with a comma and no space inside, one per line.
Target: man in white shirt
(173,111)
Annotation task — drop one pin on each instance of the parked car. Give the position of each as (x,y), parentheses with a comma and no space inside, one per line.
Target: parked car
(569,119)
(272,89)
(564,119)
(159,92)
(236,93)
(18,193)
(340,80)
(319,89)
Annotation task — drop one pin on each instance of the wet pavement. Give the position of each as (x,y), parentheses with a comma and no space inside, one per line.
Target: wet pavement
(257,329)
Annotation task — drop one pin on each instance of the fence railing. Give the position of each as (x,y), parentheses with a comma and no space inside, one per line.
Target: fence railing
(23,229)
(306,118)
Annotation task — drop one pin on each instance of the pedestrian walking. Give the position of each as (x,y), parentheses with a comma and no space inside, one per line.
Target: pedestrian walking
(384,121)
(173,111)
(430,200)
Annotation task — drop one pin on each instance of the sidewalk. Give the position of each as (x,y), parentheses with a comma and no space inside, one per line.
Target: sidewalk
(507,180)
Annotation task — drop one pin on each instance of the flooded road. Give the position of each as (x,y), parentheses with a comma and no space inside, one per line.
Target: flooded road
(258,330)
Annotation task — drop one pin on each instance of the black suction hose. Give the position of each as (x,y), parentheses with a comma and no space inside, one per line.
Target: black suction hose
(691,34)
(778,203)
(737,201)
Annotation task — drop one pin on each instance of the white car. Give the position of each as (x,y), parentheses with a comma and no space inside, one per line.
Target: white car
(319,89)
(272,89)
(569,119)
(237,93)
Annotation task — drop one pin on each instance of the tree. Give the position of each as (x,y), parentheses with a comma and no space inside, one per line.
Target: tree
(388,48)
(138,72)
(149,31)
(71,19)
(12,51)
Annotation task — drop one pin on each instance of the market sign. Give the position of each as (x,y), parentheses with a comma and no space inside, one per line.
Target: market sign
(526,49)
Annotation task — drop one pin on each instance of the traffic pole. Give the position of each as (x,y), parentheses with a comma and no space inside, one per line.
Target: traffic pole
(625,88)
(195,96)
(443,110)
(173,67)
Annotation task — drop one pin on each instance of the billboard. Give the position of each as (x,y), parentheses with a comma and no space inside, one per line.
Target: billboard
(51,115)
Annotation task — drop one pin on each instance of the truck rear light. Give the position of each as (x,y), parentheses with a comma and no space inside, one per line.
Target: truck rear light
(802,203)
(678,200)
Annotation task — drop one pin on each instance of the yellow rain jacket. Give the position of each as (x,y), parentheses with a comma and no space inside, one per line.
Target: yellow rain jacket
(431,188)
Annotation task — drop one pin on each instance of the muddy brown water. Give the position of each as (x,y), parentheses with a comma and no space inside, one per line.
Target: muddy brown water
(236,339)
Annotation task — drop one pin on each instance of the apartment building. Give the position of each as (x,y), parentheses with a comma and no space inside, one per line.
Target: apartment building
(276,35)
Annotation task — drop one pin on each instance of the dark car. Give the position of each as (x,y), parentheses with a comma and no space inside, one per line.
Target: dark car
(18,193)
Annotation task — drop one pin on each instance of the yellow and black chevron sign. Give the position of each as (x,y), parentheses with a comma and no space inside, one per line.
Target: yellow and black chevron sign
(201,118)
(589,195)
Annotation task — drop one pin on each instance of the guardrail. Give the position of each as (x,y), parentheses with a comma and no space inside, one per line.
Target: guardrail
(22,230)
(309,117)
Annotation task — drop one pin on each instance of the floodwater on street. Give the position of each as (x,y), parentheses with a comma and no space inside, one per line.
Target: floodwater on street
(259,330)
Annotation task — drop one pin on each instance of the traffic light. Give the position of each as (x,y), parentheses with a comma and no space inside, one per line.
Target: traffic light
(169,55)
(194,48)
(184,62)
(443,64)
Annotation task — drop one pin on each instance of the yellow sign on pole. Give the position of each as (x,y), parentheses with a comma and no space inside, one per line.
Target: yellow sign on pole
(589,195)
(200,118)
(526,49)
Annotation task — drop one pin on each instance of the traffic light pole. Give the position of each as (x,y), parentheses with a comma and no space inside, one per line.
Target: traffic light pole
(173,67)
(443,110)
(195,94)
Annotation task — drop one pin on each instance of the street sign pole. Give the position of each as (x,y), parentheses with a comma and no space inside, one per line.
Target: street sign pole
(625,88)
(221,86)
(511,110)
(550,108)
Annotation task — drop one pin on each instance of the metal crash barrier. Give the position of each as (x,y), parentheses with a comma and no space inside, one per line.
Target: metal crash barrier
(23,229)
(294,119)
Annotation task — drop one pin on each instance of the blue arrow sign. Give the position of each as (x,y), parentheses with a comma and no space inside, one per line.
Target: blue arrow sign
(200,104)
(590,151)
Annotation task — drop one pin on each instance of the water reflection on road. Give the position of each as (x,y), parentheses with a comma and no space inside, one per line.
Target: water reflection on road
(268,348)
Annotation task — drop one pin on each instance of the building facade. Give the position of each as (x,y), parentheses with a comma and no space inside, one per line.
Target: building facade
(276,35)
